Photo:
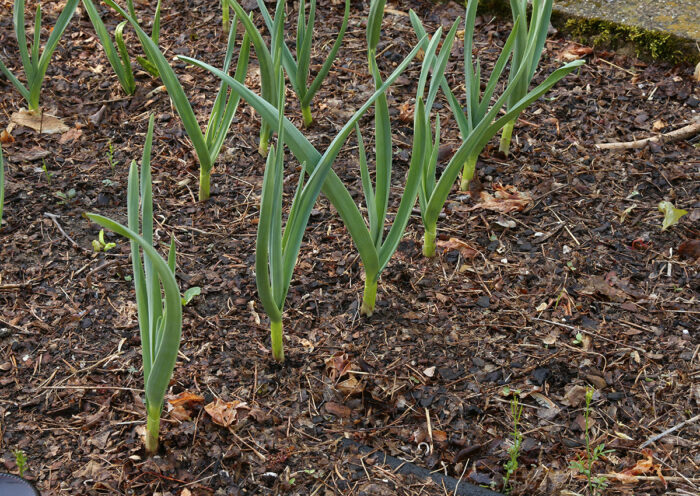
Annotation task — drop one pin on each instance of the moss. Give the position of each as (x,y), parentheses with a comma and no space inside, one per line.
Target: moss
(644,43)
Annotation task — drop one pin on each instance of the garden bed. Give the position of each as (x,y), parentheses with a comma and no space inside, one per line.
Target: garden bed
(582,288)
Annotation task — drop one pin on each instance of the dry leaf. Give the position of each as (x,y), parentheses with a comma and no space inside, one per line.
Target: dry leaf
(226,413)
(462,247)
(575,395)
(690,249)
(350,386)
(6,138)
(574,52)
(337,409)
(39,121)
(504,200)
(429,372)
(658,125)
(70,135)
(338,365)
(185,399)
(629,476)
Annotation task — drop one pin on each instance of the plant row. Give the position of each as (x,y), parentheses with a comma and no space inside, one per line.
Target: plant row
(482,115)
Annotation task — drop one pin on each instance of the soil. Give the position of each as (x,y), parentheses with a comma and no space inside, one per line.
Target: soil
(581,288)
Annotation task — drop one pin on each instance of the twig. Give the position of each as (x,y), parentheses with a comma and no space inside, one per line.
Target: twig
(586,331)
(54,218)
(679,134)
(668,431)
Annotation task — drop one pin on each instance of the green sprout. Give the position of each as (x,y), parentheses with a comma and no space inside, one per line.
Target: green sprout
(516,411)
(375,253)
(65,197)
(21,461)
(475,132)
(148,63)
(45,168)
(99,244)
(298,70)
(160,318)
(110,153)
(537,31)
(118,57)
(268,58)
(206,145)
(277,250)
(35,65)
(584,466)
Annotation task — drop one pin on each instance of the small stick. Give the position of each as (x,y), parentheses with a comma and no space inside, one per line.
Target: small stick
(668,431)
(54,218)
(679,134)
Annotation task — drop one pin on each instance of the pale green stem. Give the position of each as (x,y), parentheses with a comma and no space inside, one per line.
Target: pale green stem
(264,140)
(308,118)
(225,16)
(429,242)
(152,429)
(276,338)
(506,135)
(204,184)
(369,298)
(468,172)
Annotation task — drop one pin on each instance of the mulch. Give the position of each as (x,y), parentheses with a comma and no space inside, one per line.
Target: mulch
(581,288)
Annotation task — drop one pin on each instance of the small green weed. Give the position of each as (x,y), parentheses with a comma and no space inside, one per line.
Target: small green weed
(516,411)
(21,461)
(584,466)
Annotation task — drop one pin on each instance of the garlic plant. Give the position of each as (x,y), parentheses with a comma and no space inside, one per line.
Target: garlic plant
(157,293)
(35,65)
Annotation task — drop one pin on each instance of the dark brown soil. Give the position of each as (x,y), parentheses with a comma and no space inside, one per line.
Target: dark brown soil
(570,295)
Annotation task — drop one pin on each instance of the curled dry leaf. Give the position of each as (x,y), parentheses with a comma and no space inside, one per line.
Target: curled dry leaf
(629,476)
(185,399)
(226,413)
(338,365)
(504,200)
(461,246)
(6,138)
(574,52)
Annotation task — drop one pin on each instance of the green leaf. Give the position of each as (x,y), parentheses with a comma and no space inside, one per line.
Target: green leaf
(189,294)
(671,214)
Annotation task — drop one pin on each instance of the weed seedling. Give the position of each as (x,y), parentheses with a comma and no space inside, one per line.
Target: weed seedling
(584,466)
(516,411)
(21,461)
(99,244)
(110,155)
(47,174)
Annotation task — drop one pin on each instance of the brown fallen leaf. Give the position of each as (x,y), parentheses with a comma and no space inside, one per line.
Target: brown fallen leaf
(337,409)
(690,249)
(574,52)
(504,200)
(185,399)
(575,395)
(598,284)
(39,121)
(338,365)
(629,475)
(6,138)
(226,413)
(350,386)
(461,246)
(70,135)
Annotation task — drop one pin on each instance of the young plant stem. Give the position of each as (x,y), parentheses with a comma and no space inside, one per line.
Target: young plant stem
(308,118)
(429,242)
(369,297)
(468,172)
(506,135)
(152,428)
(204,184)
(264,145)
(225,16)
(276,339)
